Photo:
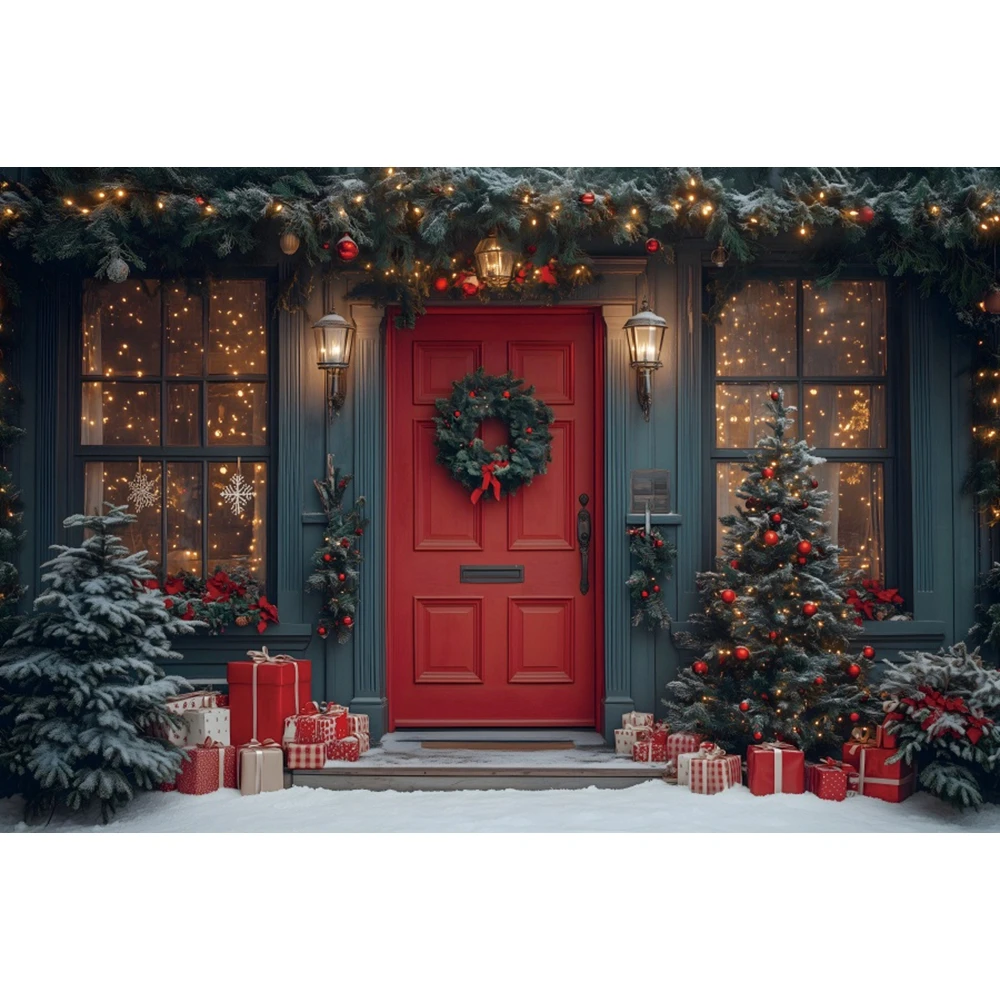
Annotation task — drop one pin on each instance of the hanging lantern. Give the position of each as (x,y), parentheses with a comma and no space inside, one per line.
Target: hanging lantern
(644,332)
(334,342)
(494,262)
(720,255)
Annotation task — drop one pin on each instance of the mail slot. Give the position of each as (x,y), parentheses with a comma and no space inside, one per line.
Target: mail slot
(491,574)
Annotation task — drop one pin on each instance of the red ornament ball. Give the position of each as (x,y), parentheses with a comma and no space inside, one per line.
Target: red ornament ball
(809,609)
(742,653)
(653,245)
(776,396)
(734,563)
(866,213)
(853,670)
(645,594)
(767,473)
(588,198)
(441,284)
(814,484)
(699,667)
(342,577)
(457,413)
(656,588)
(345,543)
(472,395)
(530,248)
(359,531)
(348,620)
(868,652)
(527,430)
(199,199)
(854,716)
(773,636)
(327,557)
(758,735)
(347,249)
(804,548)
(775,518)
(728,596)
(771,538)
(744,706)
(506,394)
(819,680)
(321,630)
(801,560)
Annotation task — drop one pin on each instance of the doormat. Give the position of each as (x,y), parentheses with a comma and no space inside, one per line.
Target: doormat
(481,745)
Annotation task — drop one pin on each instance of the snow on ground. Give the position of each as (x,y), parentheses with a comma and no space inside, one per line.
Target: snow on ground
(651,807)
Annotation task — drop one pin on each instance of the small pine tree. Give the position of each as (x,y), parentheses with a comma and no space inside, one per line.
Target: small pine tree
(774,631)
(337,562)
(943,709)
(78,682)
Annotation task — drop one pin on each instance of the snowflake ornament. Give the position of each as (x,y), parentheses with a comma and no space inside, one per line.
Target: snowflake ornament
(238,493)
(142,492)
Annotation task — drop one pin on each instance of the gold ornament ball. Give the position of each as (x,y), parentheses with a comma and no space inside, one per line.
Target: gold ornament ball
(992,301)
(720,255)
(289,243)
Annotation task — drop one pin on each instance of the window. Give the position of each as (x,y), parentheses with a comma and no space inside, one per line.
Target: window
(174,388)
(826,347)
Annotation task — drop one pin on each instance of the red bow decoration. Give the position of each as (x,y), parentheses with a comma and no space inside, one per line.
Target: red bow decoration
(489,481)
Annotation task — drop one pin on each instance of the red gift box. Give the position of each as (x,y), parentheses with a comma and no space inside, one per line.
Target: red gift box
(209,767)
(305,755)
(263,692)
(349,748)
(883,739)
(829,779)
(317,722)
(714,770)
(678,743)
(649,752)
(876,778)
(333,724)
(776,768)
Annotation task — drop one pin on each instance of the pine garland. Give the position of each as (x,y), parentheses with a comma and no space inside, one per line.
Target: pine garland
(337,562)
(655,556)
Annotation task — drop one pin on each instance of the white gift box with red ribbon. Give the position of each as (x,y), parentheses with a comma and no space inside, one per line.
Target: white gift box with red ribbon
(713,770)
(627,738)
(637,720)
(207,724)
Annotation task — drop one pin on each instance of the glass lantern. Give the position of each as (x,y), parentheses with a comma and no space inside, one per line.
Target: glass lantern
(494,262)
(645,332)
(334,343)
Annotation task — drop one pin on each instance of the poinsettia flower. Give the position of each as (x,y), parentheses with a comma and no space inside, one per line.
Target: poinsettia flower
(219,587)
(151,584)
(188,613)
(174,585)
(268,613)
(168,604)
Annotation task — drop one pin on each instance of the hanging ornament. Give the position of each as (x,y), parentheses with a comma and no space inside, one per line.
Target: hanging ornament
(142,491)
(758,735)
(866,213)
(720,255)
(992,301)
(804,547)
(776,396)
(801,560)
(239,492)
(734,563)
(742,653)
(117,270)
(347,249)
(289,243)
(744,706)
(853,670)
(441,284)
(653,245)
(809,609)
(775,518)
(773,636)
(814,484)
(348,620)
(820,680)
(728,596)
(767,473)
(771,538)
(868,652)
(699,667)
(588,198)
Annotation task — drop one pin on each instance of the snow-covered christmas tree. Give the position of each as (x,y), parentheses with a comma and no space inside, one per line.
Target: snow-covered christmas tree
(79,688)
(774,633)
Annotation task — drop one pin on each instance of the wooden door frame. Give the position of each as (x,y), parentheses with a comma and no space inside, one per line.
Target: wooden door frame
(597,508)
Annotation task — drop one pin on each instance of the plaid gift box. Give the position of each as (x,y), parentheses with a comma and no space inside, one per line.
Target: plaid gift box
(637,720)
(678,743)
(713,770)
(349,748)
(357,724)
(209,767)
(683,763)
(626,738)
(261,767)
(648,752)
(207,724)
(305,755)
(776,768)
(829,779)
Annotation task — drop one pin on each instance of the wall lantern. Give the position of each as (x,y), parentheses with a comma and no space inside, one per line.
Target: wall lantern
(334,343)
(645,331)
(494,262)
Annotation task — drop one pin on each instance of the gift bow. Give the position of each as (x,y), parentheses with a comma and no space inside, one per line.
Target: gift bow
(862,735)
(489,481)
(710,751)
(209,744)
(263,656)
(840,765)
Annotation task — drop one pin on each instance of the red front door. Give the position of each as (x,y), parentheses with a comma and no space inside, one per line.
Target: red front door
(483,653)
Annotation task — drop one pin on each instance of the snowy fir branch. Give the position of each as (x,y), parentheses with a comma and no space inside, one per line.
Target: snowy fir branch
(655,558)
(337,562)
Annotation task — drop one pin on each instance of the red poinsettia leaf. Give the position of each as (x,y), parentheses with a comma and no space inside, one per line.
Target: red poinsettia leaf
(151,584)
(174,585)
(974,733)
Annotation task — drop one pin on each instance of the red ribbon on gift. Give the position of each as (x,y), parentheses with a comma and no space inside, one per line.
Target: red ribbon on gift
(490,481)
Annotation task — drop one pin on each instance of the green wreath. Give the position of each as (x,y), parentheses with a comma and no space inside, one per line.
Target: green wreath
(503,470)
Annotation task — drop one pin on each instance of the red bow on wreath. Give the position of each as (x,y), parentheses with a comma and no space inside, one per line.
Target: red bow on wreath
(489,480)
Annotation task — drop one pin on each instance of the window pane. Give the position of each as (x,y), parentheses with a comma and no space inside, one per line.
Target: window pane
(844,328)
(741,413)
(859,523)
(184,511)
(121,328)
(184,415)
(755,335)
(185,344)
(237,413)
(237,538)
(237,334)
(845,416)
(110,481)
(120,413)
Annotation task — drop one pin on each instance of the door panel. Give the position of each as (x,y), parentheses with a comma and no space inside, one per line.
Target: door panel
(492,654)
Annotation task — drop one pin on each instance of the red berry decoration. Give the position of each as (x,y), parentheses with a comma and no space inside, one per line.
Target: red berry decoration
(866,213)
(742,653)
(734,563)
(656,588)
(341,577)
(868,652)
(588,198)
(728,596)
(327,557)
(853,670)
(773,636)
(771,538)
(854,716)
(814,484)
(348,620)
(441,284)
(359,531)
(776,396)
(767,473)
(321,630)
(820,680)
(744,706)
(699,667)
(344,543)
(775,518)
(804,548)
(758,735)
(653,245)
(645,594)
(809,609)
(347,249)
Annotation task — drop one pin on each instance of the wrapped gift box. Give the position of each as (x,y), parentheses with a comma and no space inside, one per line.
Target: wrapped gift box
(776,768)
(829,779)
(637,720)
(357,724)
(678,743)
(648,752)
(195,699)
(333,724)
(626,738)
(683,763)
(877,778)
(178,734)
(305,755)
(263,692)
(715,772)
(207,724)
(349,748)
(301,729)
(884,740)
(261,767)
(208,768)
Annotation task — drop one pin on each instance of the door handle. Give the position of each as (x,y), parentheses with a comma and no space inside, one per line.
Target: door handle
(583,532)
